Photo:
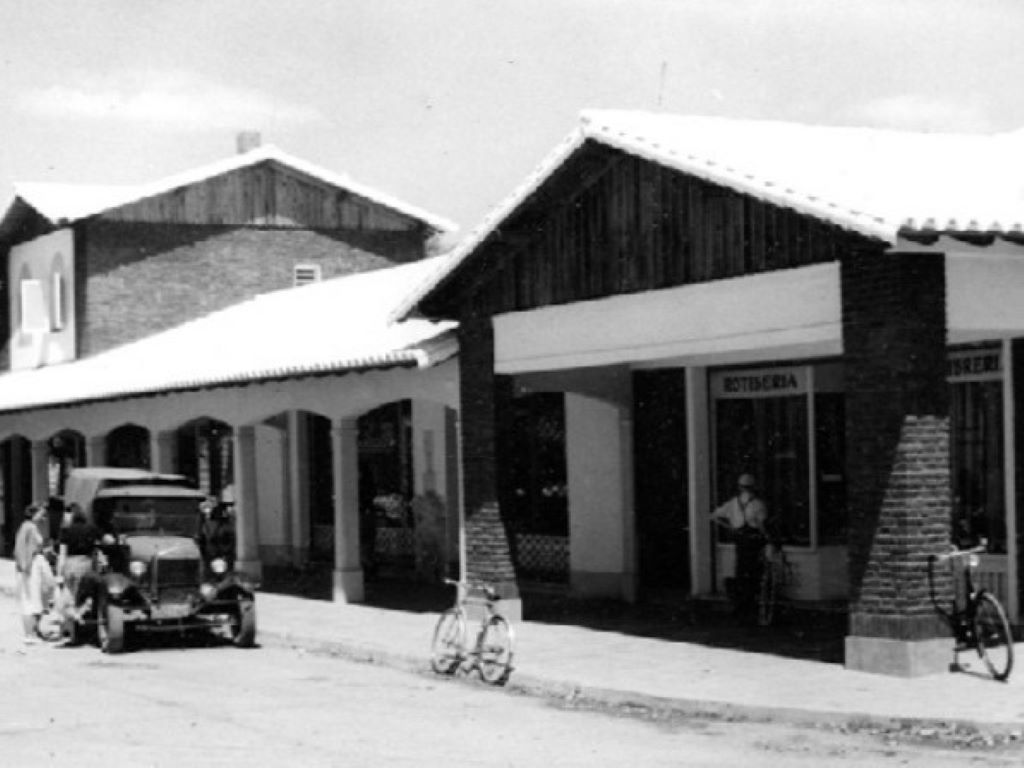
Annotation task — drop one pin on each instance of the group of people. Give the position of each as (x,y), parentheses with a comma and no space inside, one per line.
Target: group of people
(41,569)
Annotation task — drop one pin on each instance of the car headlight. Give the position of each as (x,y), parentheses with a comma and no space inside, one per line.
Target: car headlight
(219,566)
(137,568)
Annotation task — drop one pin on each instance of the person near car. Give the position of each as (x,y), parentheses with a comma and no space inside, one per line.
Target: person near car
(745,514)
(217,536)
(77,550)
(29,573)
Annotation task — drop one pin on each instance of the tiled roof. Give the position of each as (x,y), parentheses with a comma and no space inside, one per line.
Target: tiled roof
(879,183)
(334,326)
(67,203)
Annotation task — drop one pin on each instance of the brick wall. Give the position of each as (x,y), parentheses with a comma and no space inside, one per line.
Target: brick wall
(897,441)
(137,279)
(486,401)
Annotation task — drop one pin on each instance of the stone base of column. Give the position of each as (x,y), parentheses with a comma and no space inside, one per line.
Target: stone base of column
(617,586)
(251,568)
(899,658)
(348,586)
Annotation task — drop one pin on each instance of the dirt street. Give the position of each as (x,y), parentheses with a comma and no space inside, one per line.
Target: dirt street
(275,706)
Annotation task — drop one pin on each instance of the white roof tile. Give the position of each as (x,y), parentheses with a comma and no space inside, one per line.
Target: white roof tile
(876,182)
(332,326)
(71,202)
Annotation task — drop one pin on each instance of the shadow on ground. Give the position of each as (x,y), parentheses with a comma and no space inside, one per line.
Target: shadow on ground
(812,635)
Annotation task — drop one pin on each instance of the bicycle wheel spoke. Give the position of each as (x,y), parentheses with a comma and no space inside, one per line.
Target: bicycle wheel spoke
(993,637)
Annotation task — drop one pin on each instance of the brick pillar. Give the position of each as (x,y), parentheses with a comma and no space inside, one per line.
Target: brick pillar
(897,446)
(486,403)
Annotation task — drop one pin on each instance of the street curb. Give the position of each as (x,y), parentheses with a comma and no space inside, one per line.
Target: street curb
(577,696)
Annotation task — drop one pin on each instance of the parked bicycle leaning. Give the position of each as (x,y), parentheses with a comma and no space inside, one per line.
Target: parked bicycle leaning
(975,615)
(490,652)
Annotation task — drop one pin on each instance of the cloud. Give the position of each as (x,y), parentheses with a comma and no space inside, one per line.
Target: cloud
(170,100)
(922,113)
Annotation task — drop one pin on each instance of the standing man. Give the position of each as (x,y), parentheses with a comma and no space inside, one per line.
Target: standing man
(745,515)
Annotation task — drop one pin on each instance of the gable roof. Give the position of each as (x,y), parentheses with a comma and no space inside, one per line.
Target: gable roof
(879,183)
(64,204)
(331,327)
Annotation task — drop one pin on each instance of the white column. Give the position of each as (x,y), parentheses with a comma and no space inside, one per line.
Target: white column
(163,450)
(348,568)
(600,560)
(698,472)
(247,531)
(40,470)
(96,450)
(298,486)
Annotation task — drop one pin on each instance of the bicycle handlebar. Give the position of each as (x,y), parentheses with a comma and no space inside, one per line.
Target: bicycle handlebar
(487,590)
(980,549)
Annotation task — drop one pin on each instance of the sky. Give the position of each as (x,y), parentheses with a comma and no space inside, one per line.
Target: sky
(449,104)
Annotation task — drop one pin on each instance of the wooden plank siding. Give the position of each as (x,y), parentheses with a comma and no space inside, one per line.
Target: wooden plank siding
(267,194)
(637,226)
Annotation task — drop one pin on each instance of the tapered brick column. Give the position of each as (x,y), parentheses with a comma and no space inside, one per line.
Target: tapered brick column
(897,443)
(486,402)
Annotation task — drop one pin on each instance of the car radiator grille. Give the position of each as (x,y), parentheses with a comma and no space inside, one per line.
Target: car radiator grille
(169,574)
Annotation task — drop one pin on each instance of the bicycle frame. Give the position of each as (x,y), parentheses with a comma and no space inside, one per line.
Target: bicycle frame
(490,652)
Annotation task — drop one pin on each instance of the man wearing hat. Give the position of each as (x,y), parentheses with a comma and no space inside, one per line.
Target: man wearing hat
(745,515)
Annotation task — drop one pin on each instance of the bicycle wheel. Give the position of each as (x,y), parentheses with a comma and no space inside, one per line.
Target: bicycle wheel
(446,650)
(496,640)
(993,637)
(767,595)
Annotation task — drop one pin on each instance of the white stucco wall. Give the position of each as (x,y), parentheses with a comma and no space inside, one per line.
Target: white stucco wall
(41,260)
(600,498)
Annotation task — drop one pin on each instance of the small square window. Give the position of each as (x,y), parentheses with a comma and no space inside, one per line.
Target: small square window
(304,274)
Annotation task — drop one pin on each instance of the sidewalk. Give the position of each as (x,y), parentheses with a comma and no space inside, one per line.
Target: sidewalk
(609,667)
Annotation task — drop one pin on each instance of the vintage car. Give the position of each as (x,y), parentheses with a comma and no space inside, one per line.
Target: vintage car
(152,575)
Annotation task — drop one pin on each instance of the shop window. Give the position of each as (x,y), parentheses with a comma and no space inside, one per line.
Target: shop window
(830,431)
(537,463)
(767,437)
(976,459)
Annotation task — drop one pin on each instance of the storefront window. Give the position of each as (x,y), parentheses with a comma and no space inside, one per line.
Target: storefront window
(976,411)
(767,437)
(537,464)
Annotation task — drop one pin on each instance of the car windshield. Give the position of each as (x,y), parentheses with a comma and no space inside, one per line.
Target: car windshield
(168,517)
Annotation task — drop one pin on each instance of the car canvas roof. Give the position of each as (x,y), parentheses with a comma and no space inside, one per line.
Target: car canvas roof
(150,491)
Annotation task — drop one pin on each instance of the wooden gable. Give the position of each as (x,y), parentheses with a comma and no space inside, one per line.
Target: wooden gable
(266,194)
(608,223)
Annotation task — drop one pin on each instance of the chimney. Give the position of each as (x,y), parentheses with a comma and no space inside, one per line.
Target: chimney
(246,141)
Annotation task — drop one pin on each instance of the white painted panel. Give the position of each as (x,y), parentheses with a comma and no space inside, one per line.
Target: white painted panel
(984,296)
(778,313)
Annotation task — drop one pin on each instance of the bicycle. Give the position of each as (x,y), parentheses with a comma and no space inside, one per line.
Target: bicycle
(776,573)
(491,652)
(981,623)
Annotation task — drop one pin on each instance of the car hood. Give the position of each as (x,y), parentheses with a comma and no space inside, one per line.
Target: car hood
(171,547)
